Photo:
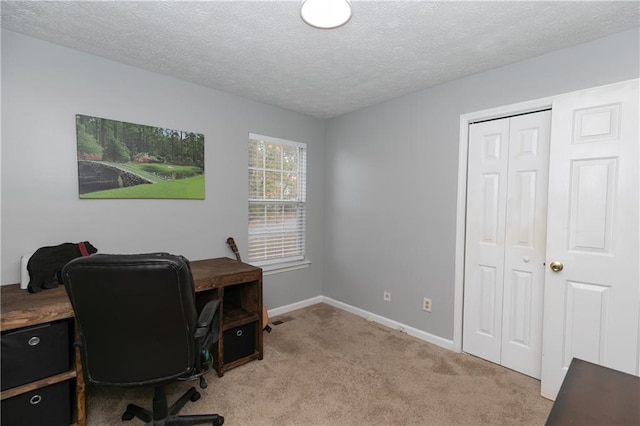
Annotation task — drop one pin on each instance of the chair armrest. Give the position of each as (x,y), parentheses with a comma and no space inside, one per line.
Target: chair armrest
(206,317)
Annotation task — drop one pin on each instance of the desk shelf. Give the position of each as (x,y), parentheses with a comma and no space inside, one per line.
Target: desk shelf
(236,316)
(52,380)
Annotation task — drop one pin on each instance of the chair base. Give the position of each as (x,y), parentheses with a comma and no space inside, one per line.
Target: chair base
(164,415)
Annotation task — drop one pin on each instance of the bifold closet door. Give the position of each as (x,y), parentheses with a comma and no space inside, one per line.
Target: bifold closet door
(505,240)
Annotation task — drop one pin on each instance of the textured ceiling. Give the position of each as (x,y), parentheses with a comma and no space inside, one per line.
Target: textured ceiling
(262,50)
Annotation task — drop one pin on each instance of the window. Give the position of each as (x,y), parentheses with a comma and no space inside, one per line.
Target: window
(277,196)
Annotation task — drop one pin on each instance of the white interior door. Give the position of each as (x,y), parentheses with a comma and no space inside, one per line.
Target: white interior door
(505,241)
(591,305)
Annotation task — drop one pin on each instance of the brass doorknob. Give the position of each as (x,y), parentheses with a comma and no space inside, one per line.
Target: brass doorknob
(556,266)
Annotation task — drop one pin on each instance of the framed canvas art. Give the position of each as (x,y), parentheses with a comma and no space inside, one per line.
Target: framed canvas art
(117,159)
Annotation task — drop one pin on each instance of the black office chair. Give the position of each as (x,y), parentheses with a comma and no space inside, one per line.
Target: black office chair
(138,326)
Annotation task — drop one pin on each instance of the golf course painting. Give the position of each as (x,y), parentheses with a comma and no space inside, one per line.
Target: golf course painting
(117,159)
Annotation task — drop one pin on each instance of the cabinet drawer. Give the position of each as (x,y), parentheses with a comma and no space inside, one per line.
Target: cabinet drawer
(239,342)
(32,353)
(48,406)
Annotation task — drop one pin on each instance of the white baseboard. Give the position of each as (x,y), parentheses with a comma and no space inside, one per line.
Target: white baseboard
(298,305)
(419,334)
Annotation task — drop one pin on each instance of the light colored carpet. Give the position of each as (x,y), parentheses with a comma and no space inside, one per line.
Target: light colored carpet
(325,366)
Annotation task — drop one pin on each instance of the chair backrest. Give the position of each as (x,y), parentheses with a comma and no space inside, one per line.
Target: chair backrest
(136,316)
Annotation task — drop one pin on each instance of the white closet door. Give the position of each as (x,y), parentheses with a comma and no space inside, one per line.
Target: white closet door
(505,240)
(525,242)
(484,250)
(591,305)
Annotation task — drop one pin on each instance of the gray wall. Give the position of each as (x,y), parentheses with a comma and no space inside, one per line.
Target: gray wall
(44,86)
(391,179)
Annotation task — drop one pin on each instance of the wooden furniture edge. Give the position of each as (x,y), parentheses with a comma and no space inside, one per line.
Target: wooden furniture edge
(595,394)
(18,308)
(51,380)
(209,274)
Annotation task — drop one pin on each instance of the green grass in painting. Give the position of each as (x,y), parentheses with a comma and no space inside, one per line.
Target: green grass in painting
(190,188)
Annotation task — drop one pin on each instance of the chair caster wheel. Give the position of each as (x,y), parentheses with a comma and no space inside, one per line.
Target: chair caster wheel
(203,383)
(195,397)
(126,416)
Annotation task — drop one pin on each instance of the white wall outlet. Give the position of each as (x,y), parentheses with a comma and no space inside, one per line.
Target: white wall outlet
(386,296)
(426,304)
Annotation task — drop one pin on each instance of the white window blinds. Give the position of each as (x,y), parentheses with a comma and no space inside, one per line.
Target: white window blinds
(277,196)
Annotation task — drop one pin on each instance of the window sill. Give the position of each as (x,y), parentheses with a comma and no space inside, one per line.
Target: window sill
(276,268)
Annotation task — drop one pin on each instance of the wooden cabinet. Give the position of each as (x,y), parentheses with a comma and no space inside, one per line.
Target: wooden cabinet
(592,394)
(237,284)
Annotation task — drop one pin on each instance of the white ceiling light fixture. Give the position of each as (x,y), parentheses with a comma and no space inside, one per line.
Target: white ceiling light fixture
(326,14)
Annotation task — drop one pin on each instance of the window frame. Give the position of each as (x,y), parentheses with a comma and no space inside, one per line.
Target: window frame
(290,262)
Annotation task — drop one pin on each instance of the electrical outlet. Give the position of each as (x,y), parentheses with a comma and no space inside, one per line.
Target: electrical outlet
(386,296)
(426,304)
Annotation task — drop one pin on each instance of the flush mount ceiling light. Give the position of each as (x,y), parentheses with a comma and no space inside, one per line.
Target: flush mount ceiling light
(326,14)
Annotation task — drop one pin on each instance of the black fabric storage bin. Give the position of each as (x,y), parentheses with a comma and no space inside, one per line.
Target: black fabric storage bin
(48,406)
(239,342)
(32,353)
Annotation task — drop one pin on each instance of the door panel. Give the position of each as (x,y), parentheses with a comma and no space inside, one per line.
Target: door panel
(587,307)
(592,194)
(591,305)
(525,242)
(484,251)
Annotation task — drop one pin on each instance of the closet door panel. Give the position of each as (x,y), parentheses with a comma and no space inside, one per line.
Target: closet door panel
(484,257)
(525,242)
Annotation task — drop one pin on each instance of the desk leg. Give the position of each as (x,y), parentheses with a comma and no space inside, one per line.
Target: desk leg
(81,408)
(219,345)
(260,331)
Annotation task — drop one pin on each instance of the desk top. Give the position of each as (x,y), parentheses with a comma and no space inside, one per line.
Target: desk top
(595,395)
(222,271)
(19,308)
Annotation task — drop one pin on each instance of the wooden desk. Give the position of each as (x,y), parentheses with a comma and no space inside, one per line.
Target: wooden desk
(238,285)
(594,395)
